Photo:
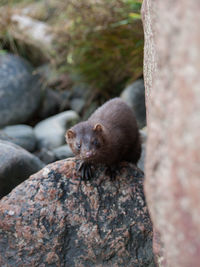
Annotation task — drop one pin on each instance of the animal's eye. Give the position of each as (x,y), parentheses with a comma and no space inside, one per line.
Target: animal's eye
(96,142)
(78,145)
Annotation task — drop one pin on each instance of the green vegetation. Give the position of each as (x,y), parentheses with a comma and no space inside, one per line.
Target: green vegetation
(99,41)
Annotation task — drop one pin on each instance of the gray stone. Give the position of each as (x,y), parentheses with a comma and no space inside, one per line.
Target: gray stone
(50,105)
(51,132)
(141,161)
(134,96)
(45,155)
(5,137)
(16,165)
(77,104)
(22,135)
(20,90)
(63,152)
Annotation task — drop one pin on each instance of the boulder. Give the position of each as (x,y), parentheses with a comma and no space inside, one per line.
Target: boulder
(22,135)
(20,90)
(45,155)
(134,96)
(51,104)
(63,152)
(55,219)
(172,82)
(50,132)
(16,165)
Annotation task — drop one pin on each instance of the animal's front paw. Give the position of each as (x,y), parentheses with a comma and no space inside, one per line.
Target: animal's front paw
(86,171)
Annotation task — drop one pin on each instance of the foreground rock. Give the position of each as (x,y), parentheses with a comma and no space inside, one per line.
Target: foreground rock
(20,91)
(172,81)
(50,132)
(16,165)
(55,219)
(22,135)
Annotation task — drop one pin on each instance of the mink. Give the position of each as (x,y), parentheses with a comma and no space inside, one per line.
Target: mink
(109,136)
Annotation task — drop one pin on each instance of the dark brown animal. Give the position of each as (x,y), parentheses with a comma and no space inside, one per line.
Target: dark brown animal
(109,136)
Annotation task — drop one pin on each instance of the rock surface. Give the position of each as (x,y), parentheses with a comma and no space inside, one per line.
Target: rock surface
(20,91)
(134,96)
(55,219)
(16,165)
(22,135)
(63,152)
(172,81)
(51,132)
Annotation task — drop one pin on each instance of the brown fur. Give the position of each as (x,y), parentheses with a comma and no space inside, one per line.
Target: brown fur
(109,136)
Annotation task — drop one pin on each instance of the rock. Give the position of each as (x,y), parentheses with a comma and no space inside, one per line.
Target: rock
(45,155)
(77,104)
(22,135)
(134,96)
(172,82)
(55,219)
(51,132)
(5,137)
(62,152)
(37,34)
(20,91)
(50,105)
(143,135)
(16,165)
(141,161)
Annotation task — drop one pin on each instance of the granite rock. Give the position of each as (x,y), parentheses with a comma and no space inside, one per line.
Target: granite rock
(172,82)
(55,219)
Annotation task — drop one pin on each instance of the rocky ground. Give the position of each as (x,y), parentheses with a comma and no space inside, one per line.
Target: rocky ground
(53,218)
(24,98)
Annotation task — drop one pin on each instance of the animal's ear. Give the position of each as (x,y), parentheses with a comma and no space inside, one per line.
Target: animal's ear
(70,134)
(98,127)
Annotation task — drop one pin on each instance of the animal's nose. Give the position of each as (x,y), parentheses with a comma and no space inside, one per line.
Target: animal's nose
(88,154)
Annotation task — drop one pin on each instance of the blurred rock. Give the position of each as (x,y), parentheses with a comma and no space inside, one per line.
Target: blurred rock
(134,96)
(45,155)
(36,34)
(141,161)
(77,104)
(5,137)
(50,105)
(20,90)
(22,135)
(50,132)
(55,219)
(16,165)
(172,83)
(63,152)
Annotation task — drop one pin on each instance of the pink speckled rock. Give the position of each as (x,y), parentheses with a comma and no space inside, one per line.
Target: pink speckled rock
(172,83)
(55,219)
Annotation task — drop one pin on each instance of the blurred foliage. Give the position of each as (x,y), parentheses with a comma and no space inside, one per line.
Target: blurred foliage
(98,41)
(105,42)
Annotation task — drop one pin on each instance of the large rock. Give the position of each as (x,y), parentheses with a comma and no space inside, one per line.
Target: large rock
(16,165)
(20,90)
(63,152)
(134,96)
(172,81)
(21,135)
(51,132)
(55,219)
